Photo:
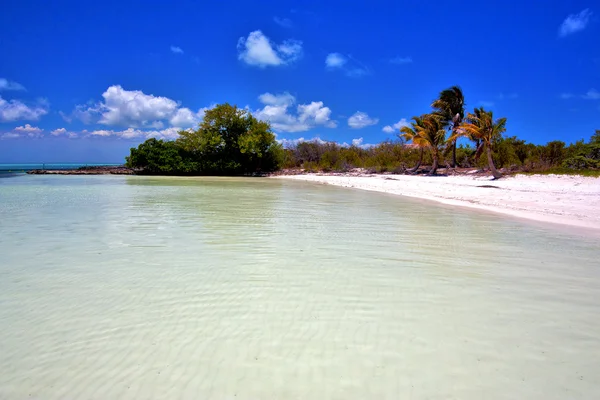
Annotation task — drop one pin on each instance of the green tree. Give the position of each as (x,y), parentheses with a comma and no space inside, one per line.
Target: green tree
(410,133)
(451,106)
(160,157)
(432,135)
(481,125)
(231,141)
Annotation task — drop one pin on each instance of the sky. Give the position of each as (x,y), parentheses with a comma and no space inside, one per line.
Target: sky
(84,81)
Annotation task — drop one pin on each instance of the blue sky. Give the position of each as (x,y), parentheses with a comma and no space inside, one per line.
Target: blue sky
(85,81)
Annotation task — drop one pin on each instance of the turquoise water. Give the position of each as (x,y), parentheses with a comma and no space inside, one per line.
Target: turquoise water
(222,288)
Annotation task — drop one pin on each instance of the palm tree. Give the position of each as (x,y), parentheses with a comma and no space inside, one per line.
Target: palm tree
(432,134)
(480,125)
(410,134)
(451,105)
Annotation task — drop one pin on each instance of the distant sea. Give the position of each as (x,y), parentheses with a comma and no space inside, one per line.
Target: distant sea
(15,169)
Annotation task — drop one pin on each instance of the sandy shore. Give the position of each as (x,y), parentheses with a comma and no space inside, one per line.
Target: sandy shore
(567,200)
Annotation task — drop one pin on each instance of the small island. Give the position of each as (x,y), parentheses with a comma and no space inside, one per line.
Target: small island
(92,170)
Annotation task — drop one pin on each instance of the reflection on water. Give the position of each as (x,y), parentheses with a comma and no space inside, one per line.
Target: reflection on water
(141,287)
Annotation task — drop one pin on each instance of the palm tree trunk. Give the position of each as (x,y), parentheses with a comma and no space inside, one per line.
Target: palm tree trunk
(454,154)
(416,168)
(435,164)
(495,172)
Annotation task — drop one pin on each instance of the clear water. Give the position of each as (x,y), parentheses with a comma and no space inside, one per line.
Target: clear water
(136,287)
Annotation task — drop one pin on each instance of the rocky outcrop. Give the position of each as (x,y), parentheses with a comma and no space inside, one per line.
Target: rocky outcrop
(85,171)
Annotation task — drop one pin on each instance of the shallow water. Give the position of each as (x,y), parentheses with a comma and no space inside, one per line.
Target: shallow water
(215,288)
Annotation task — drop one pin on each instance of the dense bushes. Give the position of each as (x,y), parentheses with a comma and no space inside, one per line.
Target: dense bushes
(329,156)
(229,141)
(509,153)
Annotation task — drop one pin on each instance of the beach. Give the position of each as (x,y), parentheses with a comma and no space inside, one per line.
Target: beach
(561,199)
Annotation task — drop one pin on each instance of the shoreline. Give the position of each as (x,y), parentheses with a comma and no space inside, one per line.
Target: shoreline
(567,200)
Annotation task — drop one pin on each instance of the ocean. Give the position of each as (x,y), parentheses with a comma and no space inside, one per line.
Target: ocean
(230,288)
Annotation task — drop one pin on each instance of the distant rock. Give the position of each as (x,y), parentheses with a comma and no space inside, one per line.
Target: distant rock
(106,170)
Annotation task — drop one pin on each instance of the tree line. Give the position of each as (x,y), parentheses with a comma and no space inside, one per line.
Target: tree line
(230,141)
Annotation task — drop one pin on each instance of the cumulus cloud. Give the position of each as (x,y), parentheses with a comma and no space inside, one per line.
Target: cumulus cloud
(25,131)
(396,127)
(259,51)
(186,118)
(5,84)
(129,107)
(132,133)
(283,22)
(361,120)
(176,50)
(134,108)
(592,94)
(15,110)
(64,132)
(575,23)
(401,60)
(278,112)
(28,129)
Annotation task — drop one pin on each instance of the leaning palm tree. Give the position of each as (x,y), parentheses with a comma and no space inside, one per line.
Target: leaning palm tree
(451,105)
(480,125)
(432,135)
(410,134)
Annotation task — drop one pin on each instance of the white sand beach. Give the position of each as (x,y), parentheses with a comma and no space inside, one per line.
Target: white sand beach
(561,199)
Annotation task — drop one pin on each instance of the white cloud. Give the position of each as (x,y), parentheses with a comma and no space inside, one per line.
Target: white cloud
(186,118)
(10,135)
(64,132)
(125,107)
(277,99)
(350,66)
(361,120)
(485,103)
(134,108)
(575,23)
(176,50)
(132,133)
(283,22)
(401,60)
(5,84)
(360,143)
(24,132)
(566,96)
(335,60)
(258,50)
(28,129)
(396,127)
(592,94)
(509,96)
(15,110)
(277,112)
(294,142)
